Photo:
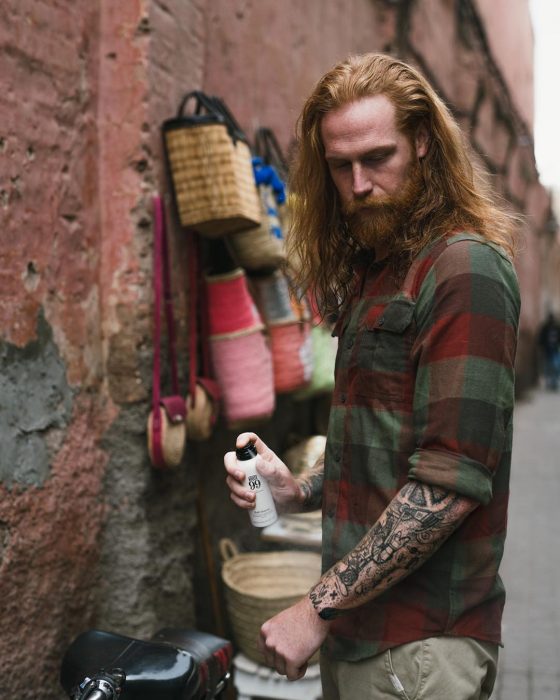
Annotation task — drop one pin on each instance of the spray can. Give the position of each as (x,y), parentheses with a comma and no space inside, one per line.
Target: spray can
(264,512)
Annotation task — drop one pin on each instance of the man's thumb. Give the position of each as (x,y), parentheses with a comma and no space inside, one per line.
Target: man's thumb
(265,469)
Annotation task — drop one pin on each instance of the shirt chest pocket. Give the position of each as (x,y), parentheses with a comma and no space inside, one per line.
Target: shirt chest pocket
(383,353)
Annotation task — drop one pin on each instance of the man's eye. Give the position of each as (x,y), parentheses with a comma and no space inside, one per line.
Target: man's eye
(375,160)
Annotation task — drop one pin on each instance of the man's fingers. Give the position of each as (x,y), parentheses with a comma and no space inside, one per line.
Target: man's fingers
(280,664)
(268,654)
(230,463)
(294,673)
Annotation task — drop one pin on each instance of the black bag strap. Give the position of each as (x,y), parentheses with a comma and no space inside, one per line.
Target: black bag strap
(206,109)
(201,100)
(235,131)
(268,148)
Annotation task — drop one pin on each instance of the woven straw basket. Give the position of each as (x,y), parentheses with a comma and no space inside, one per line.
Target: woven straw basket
(259,248)
(211,170)
(260,585)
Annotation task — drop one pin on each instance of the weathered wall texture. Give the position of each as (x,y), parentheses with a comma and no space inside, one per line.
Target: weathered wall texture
(89,533)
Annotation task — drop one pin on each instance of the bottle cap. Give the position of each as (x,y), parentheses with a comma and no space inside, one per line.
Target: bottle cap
(247,452)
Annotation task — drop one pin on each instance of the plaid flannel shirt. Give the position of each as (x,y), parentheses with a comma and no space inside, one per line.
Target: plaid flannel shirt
(425,390)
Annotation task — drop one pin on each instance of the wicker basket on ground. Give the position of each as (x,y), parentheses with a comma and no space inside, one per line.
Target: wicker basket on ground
(260,585)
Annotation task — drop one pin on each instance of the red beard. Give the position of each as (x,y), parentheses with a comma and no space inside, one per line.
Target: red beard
(376,222)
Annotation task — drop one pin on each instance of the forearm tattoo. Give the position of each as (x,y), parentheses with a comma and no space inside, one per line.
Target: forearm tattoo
(412,527)
(311,484)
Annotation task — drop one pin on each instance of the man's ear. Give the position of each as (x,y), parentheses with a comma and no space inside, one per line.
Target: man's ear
(421,140)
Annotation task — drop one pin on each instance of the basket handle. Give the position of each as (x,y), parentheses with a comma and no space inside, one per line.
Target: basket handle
(235,131)
(201,100)
(228,549)
(268,148)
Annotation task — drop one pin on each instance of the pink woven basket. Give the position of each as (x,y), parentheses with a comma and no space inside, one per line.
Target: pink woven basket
(292,356)
(242,364)
(231,308)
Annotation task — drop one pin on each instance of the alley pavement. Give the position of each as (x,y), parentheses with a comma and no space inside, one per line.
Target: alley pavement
(530,660)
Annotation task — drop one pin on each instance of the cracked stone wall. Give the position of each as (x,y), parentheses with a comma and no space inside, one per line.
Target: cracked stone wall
(90,534)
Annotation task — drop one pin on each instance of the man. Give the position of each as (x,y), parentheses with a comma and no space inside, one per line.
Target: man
(549,342)
(395,233)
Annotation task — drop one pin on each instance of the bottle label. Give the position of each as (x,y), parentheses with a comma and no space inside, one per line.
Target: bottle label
(254,482)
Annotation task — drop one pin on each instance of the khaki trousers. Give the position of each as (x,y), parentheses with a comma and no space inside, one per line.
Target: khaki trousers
(439,668)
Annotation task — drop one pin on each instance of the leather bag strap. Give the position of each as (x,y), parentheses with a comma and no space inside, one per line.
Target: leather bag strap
(162,290)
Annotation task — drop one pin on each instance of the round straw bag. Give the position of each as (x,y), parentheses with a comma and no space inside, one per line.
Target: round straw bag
(260,585)
(202,409)
(172,440)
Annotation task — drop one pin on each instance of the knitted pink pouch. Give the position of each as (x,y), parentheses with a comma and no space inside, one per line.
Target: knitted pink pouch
(242,365)
(231,308)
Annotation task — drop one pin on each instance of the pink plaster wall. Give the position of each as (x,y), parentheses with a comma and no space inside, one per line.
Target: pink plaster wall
(264,57)
(510,36)
(49,261)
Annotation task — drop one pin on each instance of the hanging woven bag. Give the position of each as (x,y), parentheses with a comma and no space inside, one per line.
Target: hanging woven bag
(268,149)
(209,162)
(240,355)
(166,422)
(262,248)
(324,348)
(287,323)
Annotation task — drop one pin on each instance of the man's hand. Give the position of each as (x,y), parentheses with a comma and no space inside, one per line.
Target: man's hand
(289,639)
(285,490)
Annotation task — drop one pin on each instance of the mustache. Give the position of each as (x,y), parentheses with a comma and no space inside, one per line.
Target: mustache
(369,204)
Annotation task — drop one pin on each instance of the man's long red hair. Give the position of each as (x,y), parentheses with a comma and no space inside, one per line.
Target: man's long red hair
(455,193)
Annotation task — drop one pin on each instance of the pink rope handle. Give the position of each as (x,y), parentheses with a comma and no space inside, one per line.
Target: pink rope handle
(162,288)
(192,248)
(168,302)
(197,324)
(157,282)
(205,333)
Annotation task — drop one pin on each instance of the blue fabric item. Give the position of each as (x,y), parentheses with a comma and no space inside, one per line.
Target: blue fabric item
(268,175)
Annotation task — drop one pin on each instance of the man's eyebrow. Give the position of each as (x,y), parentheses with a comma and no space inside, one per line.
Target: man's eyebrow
(387,150)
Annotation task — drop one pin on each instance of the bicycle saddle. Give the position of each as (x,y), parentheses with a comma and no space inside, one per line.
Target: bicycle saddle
(176,664)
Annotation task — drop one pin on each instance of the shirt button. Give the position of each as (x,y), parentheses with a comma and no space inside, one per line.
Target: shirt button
(343,398)
(381,322)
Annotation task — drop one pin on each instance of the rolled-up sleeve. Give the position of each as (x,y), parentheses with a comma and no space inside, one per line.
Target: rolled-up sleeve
(467,315)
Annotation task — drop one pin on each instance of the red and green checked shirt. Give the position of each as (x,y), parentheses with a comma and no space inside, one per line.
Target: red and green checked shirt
(425,390)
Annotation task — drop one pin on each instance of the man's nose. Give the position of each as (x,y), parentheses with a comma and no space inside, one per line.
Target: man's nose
(361,183)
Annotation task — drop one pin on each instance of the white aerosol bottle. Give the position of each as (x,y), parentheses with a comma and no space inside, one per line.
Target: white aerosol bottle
(264,512)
